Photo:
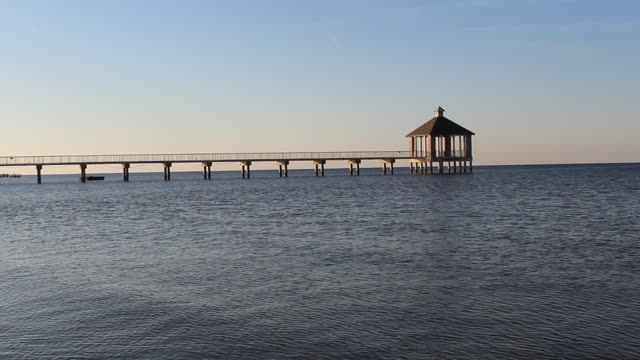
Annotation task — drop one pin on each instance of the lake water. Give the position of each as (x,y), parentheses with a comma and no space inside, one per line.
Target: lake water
(510,262)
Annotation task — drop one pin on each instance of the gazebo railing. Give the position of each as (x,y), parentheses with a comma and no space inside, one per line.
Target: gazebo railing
(443,155)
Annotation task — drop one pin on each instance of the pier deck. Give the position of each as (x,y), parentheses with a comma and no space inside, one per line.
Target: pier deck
(282,159)
(199,157)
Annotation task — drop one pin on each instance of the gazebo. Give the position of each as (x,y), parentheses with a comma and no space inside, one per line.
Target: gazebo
(440,140)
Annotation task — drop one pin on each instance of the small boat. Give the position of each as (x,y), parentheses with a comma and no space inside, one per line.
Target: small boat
(93,178)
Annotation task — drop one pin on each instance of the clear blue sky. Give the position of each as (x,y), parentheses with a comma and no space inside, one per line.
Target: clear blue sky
(538,81)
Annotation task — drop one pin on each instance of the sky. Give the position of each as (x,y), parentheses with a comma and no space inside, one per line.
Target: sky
(538,81)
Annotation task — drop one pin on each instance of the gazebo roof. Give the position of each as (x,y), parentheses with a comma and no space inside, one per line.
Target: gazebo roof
(440,126)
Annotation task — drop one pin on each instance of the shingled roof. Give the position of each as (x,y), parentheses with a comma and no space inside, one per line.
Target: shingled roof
(440,126)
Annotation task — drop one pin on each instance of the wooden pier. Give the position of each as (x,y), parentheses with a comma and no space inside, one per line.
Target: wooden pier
(440,141)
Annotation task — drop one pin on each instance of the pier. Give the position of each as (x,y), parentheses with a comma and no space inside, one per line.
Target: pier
(439,142)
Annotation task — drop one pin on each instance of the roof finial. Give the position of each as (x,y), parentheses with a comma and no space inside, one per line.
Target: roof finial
(439,112)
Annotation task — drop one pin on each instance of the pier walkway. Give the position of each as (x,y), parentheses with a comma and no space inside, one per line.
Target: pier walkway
(282,159)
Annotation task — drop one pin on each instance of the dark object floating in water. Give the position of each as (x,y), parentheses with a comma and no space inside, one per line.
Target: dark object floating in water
(10,175)
(92,178)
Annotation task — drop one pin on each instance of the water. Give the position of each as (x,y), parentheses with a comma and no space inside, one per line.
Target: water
(510,262)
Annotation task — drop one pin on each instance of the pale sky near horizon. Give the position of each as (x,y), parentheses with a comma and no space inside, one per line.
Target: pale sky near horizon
(537,81)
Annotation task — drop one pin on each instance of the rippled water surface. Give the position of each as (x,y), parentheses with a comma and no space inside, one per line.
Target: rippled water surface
(510,262)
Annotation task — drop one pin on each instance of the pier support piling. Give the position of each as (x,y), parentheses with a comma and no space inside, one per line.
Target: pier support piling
(207,170)
(83,173)
(384,165)
(125,172)
(355,162)
(283,164)
(246,164)
(167,171)
(320,164)
(39,173)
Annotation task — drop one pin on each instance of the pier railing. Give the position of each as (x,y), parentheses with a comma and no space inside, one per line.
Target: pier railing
(200,157)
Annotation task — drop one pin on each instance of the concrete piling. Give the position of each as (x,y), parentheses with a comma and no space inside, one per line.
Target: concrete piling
(207,169)
(39,173)
(384,165)
(167,171)
(83,173)
(125,172)
(283,164)
(247,165)
(355,162)
(319,163)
